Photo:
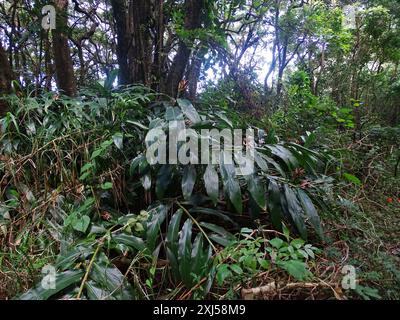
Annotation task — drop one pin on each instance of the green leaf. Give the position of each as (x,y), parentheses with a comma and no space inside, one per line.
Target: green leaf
(188,181)
(163,180)
(217,238)
(130,241)
(185,253)
(188,110)
(274,204)
(95,292)
(232,186)
(153,226)
(236,269)
(224,216)
(257,191)
(211,183)
(96,153)
(295,210)
(223,273)
(84,176)
(86,167)
(310,212)
(274,164)
(227,237)
(173,114)
(276,242)
(284,154)
(297,243)
(172,243)
(200,257)
(173,232)
(173,262)
(136,162)
(310,140)
(352,179)
(81,224)
(367,293)
(295,268)
(118,140)
(261,162)
(109,278)
(107,186)
(63,280)
(310,252)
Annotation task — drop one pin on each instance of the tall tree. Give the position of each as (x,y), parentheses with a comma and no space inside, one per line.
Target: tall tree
(120,14)
(193,20)
(65,76)
(6,76)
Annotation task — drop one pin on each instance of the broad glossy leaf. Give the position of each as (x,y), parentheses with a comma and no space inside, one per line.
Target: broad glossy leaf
(274,204)
(163,180)
(185,253)
(173,114)
(81,224)
(275,164)
(310,211)
(173,262)
(188,181)
(188,110)
(284,154)
(63,281)
(130,241)
(109,278)
(257,190)
(261,162)
(220,231)
(173,232)
(225,216)
(153,226)
(232,187)
(96,293)
(118,140)
(221,240)
(211,182)
(198,256)
(296,211)
(172,245)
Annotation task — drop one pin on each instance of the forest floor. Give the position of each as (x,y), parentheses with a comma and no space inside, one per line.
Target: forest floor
(361,226)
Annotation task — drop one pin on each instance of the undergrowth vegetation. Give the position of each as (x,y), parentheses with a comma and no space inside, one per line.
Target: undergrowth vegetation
(78,195)
(78,168)
(99,100)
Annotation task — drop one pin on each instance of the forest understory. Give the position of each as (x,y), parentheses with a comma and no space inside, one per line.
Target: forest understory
(85,214)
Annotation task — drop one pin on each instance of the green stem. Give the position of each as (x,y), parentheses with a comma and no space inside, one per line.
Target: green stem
(88,271)
(198,225)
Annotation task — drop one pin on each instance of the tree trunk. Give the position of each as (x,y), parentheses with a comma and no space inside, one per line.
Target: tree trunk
(6,76)
(140,55)
(134,47)
(123,39)
(193,19)
(65,77)
(193,73)
(158,65)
